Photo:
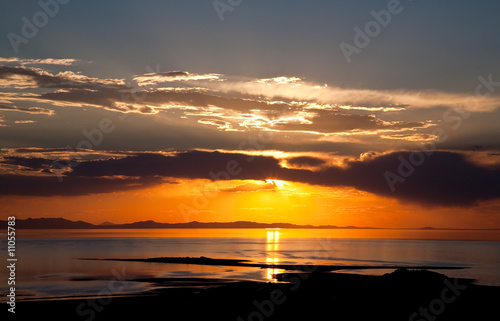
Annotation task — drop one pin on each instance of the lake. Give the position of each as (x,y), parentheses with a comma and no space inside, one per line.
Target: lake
(49,262)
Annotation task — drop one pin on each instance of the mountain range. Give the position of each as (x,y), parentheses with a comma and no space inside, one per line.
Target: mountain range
(61,223)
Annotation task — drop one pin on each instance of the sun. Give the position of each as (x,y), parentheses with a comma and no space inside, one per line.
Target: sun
(276,182)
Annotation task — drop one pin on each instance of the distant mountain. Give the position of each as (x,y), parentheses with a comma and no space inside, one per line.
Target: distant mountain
(106,223)
(49,223)
(61,223)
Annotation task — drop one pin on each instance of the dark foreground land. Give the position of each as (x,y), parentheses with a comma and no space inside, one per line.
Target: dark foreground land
(401,295)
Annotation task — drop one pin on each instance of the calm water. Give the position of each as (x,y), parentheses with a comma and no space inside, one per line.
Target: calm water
(48,262)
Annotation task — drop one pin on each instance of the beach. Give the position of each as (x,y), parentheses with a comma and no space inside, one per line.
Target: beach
(400,295)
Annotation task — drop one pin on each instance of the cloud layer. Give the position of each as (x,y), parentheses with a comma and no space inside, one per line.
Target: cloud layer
(280,104)
(226,110)
(439,179)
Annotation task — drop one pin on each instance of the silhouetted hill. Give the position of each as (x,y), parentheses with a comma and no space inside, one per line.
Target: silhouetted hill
(49,223)
(106,223)
(61,223)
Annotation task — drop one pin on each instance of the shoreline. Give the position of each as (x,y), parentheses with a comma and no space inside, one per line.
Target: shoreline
(289,267)
(299,296)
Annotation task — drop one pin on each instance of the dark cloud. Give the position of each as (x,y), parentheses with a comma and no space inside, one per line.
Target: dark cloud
(440,179)
(306,161)
(104,97)
(65,80)
(173,74)
(35,163)
(194,164)
(42,79)
(70,186)
(142,170)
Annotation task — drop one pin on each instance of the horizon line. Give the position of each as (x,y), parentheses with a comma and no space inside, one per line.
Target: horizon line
(293,225)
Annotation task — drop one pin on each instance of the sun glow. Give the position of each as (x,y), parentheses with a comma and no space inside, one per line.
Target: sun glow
(277,183)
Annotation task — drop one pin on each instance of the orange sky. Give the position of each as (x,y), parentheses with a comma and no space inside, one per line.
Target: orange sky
(400,132)
(206,201)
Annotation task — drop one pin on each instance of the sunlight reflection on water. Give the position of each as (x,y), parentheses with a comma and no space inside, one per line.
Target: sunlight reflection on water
(48,259)
(272,250)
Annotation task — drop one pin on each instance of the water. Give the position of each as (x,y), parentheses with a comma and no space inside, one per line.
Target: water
(49,266)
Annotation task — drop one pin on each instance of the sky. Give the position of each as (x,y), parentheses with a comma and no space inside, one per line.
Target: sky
(365,113)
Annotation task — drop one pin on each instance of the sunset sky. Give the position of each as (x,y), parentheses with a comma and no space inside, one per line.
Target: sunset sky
(176,111)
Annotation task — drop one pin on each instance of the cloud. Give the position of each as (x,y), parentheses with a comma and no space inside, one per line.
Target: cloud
(70,186)
(152,79)
(19,77)
(440,179)
(443,178)
(322,121)
(46,61)
(411,137)
(104,97)
(351,98)
(74,89)
(195,98)
(193,164)
(78,78)
(251,187)
(36,163)
(279,80)
(29,110)
(305,112)
(305,161)
(220,124)
(279,103)
(22,156)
